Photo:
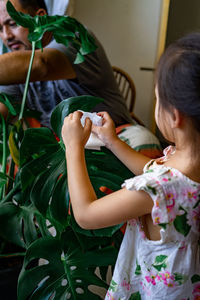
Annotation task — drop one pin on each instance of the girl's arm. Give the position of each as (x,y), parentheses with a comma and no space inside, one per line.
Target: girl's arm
(90,212)
(134,160)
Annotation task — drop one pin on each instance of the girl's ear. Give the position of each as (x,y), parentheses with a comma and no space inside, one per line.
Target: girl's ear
(176,118)
(41,12)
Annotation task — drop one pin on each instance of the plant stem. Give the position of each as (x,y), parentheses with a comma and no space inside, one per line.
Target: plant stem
(11,193)
(11,176)
(27,81)
(3,168)
(4,160)
(12,255)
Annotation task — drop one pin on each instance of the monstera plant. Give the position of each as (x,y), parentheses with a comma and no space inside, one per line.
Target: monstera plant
(60,258)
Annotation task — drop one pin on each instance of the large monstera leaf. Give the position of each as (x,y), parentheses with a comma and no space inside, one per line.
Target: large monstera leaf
(73,254)
(18,224)
(85,103)
(44,168)
(20,221)
(65,29)
(67,270)
(4,150)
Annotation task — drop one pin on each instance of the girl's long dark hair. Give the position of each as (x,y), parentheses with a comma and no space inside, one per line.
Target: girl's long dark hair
(178,77)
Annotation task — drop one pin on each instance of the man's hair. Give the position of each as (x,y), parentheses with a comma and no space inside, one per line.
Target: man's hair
(32,5)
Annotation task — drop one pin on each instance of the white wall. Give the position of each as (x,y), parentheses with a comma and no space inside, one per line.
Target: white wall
(128,30)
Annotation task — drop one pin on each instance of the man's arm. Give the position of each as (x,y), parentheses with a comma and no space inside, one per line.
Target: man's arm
(49,64)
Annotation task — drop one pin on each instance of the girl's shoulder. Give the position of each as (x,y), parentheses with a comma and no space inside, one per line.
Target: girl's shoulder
(159,168)
(175,196)
(167,153)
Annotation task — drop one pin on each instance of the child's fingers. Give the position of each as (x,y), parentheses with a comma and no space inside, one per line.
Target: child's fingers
(102,113)
(88,124)
(67,119)
(95,129)
(105,116)
(77,115)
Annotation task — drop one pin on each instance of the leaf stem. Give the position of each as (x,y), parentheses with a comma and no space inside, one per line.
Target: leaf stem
(3,168)
(11,193)
(4,160)
(11,176)
(27,81)
(12,255)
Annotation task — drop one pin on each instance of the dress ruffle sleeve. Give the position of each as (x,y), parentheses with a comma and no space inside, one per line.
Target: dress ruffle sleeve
(153,182)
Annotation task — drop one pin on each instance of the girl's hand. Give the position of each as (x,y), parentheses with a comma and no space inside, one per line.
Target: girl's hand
(106,133)
(73,133)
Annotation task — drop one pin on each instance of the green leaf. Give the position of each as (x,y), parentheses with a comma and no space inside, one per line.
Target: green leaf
(15,138)
(13,146)
(58,208)
(152,189)
(30,148)
(44,170)
(79,58)
(113,286)
(195,278)
(10,223)
(45,183)
(3,179)
(43,176)
(64,274)
(181,225)
(19,17)
(65,30)
(18,223)
(160,262)
(163,225)
(180,278)
(6,100)
(47,174)
(138,269)
(135,296)
(63,109)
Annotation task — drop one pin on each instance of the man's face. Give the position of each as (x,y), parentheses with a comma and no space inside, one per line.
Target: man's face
(13,36)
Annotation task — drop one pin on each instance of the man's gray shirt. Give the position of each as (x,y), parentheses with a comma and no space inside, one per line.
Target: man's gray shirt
(93,77)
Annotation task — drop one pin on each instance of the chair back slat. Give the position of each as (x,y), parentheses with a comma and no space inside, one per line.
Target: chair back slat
(127,89)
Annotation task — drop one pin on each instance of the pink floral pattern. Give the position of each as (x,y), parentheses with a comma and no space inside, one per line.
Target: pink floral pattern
(196,291)
(148,269)
(193,217)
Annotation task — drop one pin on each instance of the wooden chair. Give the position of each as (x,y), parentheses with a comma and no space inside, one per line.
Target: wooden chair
(127,89)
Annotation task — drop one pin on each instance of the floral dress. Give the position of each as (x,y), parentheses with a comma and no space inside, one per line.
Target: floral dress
(170,267)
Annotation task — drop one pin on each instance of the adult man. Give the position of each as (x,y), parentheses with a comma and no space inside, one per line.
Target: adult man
(54,77)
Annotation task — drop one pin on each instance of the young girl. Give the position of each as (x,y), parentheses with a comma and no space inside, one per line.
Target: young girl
(159,257)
